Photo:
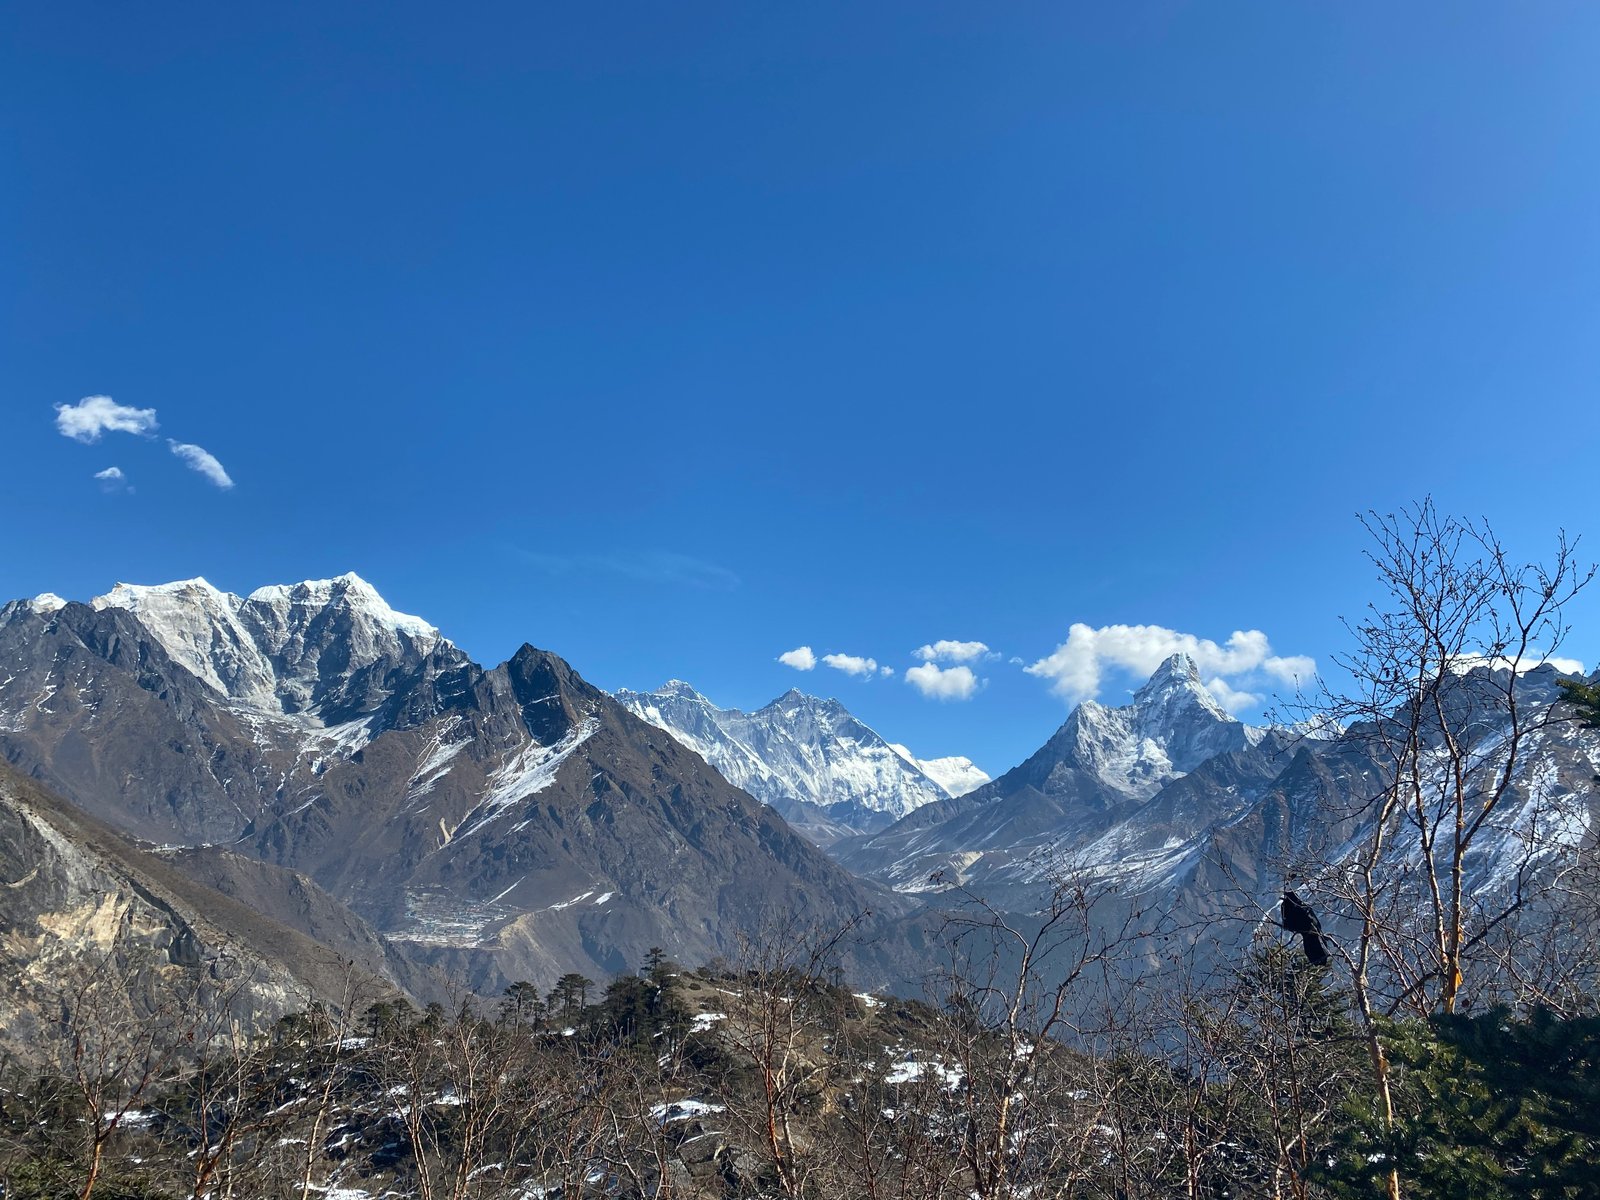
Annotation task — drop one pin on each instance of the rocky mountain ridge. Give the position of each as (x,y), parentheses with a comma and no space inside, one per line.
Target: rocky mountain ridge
(499,824)
(827,772)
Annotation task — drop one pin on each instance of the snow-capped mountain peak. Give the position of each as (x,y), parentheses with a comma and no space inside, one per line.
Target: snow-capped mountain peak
(1173,693)
(304,649)
(349,590)
(826,771)
(955,773)
(1173,725)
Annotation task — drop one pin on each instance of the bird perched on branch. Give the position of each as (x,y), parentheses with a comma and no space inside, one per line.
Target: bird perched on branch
(1298,918)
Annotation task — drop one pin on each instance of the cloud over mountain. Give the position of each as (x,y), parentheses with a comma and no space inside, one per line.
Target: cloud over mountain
(1076,667)
(945,650)
(800,658)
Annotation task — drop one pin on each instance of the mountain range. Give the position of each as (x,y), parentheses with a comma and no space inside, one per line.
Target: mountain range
(824,770)
(304,776)
(485,825)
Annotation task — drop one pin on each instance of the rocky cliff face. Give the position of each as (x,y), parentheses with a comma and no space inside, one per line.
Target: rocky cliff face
(499,824)
(99,936)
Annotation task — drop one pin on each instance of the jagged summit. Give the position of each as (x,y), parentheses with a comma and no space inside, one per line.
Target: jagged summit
(824,770)
(350,589)
(320,648)
(1174,687)
(1172,726)
(678,687)
(1178,671)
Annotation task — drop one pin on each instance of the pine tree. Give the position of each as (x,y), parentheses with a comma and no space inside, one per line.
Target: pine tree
(1585,697)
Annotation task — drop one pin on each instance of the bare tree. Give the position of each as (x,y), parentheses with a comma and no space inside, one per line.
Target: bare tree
(1439,714)
(772,1026)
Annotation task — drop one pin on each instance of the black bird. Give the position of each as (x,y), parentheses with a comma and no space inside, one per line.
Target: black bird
(1298,918)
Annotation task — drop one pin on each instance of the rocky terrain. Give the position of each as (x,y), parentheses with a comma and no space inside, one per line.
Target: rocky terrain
(96,932)
(493,824)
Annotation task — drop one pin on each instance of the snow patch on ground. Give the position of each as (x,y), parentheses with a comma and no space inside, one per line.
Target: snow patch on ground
(683,1110)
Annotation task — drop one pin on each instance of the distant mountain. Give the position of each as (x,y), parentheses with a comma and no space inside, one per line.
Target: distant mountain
(955,773)
(496,824)
(827,772)
(1190,815)
(1101,764)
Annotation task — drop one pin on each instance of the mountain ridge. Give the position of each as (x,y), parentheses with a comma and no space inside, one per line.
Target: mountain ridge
(824,769)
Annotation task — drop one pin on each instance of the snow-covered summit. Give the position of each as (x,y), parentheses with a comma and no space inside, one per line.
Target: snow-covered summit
(302,648)
(1173,725)
(955,773)
(349,589)
(807,756)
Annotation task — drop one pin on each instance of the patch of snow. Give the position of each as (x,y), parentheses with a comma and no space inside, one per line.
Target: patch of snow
(530,770)
(911,1070)
(683,1110)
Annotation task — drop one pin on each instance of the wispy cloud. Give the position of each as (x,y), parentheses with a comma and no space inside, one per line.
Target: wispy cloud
(1077,667)
(197,458)
(800,658)
(645,566)
(945,650)
(851,664)
(113,480)
(86,420)
(944,683)
(93,416)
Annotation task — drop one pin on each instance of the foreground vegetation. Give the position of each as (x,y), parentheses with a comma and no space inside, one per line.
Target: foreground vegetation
(774,1080)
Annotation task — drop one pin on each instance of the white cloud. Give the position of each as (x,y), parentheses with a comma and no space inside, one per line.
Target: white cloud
(1231,698)
(800,658)
(113,480)
(886,671)
(1076,667)
(86,420)
(196,458)
(851,664)
(945,650)
(943,683)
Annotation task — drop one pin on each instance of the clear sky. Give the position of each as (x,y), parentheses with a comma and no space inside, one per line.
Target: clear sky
(673,337)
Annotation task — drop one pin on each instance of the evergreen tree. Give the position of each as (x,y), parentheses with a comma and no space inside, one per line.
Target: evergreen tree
(1492,1107)
(1585,697)
(570,996)
(523,1004)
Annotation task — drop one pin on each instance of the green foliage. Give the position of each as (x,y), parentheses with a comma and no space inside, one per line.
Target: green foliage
(1585,697)
(1489,1106)
(523,1005)
(570,996)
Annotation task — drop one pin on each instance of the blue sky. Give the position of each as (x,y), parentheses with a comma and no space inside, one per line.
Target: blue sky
(675,337)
